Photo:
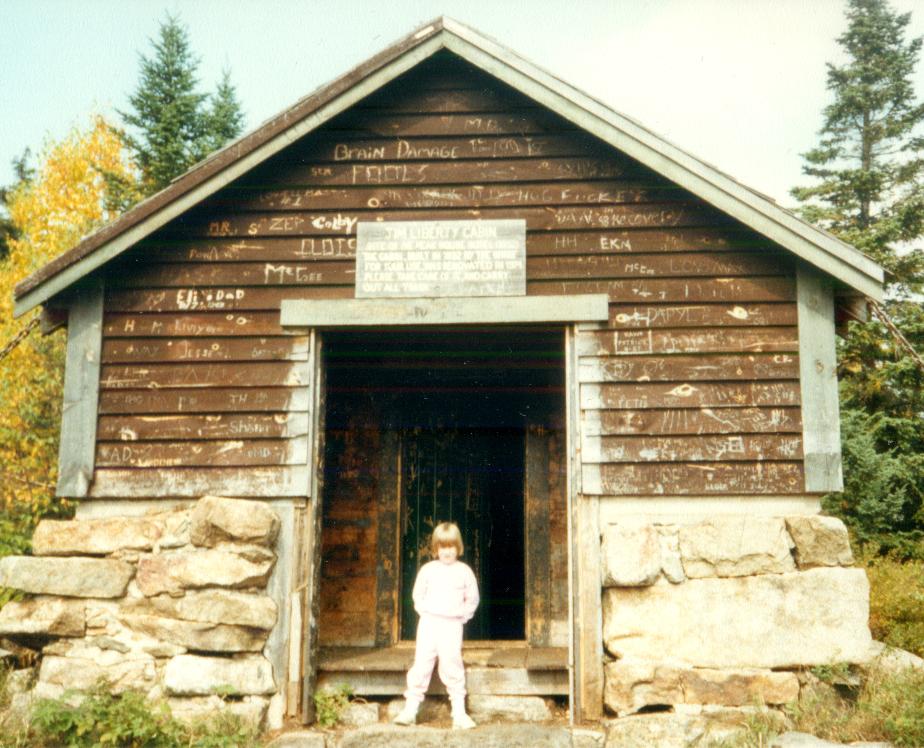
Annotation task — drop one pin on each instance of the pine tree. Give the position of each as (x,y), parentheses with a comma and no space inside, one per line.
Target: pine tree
(172,124)
(225,118)
(868,168)
(869,161)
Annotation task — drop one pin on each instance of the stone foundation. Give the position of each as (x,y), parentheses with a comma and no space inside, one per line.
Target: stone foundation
(173,604)
(724,612)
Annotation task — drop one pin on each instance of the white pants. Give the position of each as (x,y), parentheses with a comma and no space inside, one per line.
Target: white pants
(437,638)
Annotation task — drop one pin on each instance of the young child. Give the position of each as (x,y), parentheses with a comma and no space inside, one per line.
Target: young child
(445,597)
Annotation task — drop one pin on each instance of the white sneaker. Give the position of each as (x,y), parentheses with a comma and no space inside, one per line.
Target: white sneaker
(461,721)
(407,716)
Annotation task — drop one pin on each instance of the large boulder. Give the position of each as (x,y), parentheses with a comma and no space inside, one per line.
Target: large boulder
(820,541)
(798,619)
(212,606)
(225,566)
(94,537)
(192,675)
(69,577)
(215,520)
(48,616)
(631,556)
(735,547)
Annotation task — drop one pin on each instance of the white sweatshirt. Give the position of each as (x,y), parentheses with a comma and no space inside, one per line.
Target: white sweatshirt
(447,590)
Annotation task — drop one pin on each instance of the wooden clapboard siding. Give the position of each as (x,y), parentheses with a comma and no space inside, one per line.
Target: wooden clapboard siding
(700,353)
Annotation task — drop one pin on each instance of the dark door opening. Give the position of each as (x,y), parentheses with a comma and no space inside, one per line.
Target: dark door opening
(473,477)
(425,426)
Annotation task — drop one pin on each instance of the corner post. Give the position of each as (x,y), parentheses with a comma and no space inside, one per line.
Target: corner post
(77,450)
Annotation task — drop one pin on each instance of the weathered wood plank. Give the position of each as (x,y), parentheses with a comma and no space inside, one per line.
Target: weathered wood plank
(675,264)
(299,315)
(267,482)
(333,147)
(388,550)
(452,172)
(701,315)
(81,390)
(672,290)
(213,400)
(692,421)
(688,340)
(202,375)
(459,100)
(219,299)
(693,478)
(537,268)
(489,680)
(538,243)
(237,426)
(748,447)
(130,350)
(183,325)
(661,368)
(202,453)
(450,196)
(820,407)
(522,122)
(242,273)
(314,486)
(700,395)
(538,539)
(324,223)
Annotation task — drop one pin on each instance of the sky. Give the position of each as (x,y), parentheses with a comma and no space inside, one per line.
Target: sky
(737,83)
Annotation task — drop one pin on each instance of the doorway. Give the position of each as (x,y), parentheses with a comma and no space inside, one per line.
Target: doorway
(429,425)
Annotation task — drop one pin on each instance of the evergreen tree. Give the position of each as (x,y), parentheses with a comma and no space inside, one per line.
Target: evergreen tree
(225,118)
(173,124)
(868,167)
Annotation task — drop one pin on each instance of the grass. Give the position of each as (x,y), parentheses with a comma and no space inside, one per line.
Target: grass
(129,720)
(888,706)
(896,604)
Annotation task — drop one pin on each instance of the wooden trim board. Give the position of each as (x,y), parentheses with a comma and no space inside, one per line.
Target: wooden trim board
(300,314)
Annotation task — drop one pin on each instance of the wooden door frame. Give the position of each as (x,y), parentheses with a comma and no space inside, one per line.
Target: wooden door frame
(585,646)
(585,650)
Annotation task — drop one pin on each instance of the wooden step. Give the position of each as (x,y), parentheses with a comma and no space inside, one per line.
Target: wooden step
(498,670)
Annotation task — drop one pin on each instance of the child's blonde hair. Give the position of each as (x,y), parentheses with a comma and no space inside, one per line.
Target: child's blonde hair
(445,534)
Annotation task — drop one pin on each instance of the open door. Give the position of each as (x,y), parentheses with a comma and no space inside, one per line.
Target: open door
(473,477)
(313,539)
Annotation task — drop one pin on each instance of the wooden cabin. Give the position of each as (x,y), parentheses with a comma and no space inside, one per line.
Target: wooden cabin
(450,286)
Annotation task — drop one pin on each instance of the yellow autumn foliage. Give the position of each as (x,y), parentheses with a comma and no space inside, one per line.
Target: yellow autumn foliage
(68,197)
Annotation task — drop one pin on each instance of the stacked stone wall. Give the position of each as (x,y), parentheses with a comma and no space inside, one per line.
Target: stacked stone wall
(172,603)
(727,611)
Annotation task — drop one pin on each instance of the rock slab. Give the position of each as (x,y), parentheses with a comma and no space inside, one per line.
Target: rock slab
(94,537)
(820,541)
(229,566)
(735,547)
(215,520)
(47,616)
(631,556)
(797,619)
(192,675)
(68,577)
